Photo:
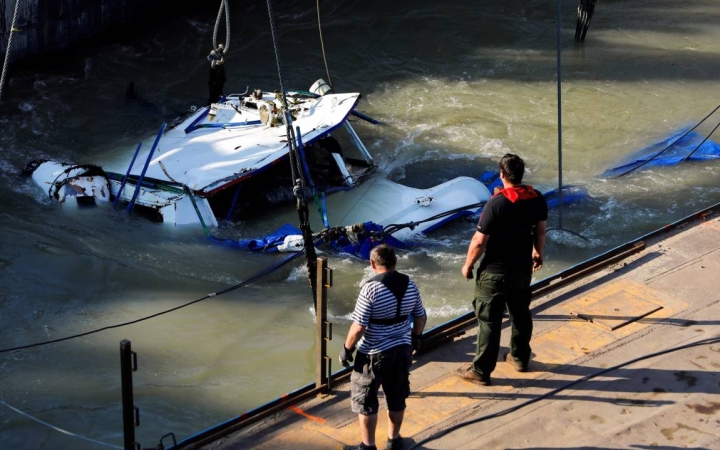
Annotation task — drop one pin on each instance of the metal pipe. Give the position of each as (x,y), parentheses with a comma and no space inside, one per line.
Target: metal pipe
(559,112)
(131,418)
(145,168)
(124,180)
(320,321)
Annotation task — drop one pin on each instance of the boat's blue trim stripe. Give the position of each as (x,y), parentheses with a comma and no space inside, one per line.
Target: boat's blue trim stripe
(197,120)
(223,125)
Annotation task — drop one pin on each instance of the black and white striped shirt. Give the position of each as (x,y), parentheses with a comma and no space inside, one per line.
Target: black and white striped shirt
(377,302)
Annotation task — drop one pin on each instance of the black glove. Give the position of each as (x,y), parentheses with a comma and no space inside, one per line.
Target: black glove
(416,342)
(346,356)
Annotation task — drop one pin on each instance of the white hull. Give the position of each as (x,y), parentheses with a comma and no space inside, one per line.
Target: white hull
(218,149)
(386,203)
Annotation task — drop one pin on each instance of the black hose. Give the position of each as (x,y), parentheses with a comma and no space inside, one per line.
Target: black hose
(393,227)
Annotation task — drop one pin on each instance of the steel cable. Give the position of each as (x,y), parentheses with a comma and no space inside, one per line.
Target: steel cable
(322,46)
(670,145)
(252,279)
(41,422)
(701,143)
(296,169)
(7,51)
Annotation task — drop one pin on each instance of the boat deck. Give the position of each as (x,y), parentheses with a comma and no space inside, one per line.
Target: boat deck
(604,374)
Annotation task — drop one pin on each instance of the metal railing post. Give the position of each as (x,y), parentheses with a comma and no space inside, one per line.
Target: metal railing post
(131,415)
(323,328)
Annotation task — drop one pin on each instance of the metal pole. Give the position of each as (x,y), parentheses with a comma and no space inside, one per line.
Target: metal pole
(131,418)
(323,328)
(559,101)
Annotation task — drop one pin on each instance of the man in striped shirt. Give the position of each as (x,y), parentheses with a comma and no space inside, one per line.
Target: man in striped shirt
(388,316)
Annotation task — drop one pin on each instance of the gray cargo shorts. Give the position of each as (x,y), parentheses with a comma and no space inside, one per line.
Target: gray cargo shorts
(390,370)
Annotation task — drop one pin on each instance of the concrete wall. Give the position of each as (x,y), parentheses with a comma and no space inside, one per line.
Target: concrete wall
(48,25)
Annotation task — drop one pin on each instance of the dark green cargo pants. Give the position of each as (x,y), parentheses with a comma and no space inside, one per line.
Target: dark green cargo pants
(493,293)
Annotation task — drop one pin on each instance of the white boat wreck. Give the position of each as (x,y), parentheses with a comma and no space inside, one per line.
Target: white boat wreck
(195,169)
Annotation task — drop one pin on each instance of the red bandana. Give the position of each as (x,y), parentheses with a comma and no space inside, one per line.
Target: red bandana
(517,193)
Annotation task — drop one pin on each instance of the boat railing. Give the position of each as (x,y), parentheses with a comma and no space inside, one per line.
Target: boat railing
(247,90)
(145,167)
(359,143)
(124,180)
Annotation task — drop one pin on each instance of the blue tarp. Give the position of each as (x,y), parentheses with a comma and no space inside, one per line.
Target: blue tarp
(668,156)
(365,243)
(270,243)
(368,240)
(571,194)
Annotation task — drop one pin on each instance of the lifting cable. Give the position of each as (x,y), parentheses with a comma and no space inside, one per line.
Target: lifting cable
(41,422)
(675,142)
(322,46)
(701,143)
(223,8)
(551,393)
(295,167)
(393,228)
(331,234)
(7,50)
(252,279)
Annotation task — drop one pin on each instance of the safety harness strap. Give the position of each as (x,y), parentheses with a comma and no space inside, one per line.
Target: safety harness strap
(397,283)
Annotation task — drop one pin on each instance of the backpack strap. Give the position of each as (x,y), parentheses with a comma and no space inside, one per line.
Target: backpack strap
(397,283)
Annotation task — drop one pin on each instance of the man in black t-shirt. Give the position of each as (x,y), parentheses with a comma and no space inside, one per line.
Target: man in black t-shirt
(511,234)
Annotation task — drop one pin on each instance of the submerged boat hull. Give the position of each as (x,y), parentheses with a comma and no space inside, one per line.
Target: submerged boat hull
(198,170)
(385,202)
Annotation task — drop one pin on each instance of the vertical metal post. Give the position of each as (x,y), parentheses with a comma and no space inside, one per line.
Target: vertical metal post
(324,281)
(559,102)
(131,417)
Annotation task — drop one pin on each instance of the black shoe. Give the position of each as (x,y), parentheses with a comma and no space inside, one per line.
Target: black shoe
(395,444)
(470,375)
(520,367)
(360,446)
